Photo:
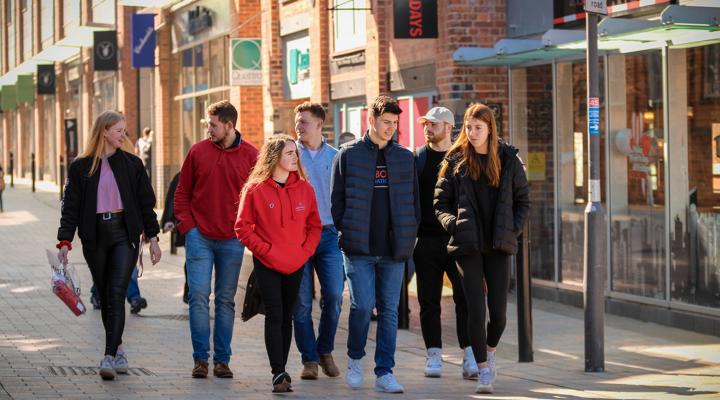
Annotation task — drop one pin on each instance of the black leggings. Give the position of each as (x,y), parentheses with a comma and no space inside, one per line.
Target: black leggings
(494,267)
(111,263)
(279,293)
(432,262)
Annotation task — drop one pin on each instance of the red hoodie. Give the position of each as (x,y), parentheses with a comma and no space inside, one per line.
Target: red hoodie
(281,226)
(210,180)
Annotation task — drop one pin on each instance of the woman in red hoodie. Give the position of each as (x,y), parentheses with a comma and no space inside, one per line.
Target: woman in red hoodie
(278,221)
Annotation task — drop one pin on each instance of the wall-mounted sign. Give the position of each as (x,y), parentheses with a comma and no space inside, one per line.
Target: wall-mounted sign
(143,40)
(245,62)
(415,19)
(105,56)
(536,166)
(296,65)
(71,139)
(45,79)
(199,19)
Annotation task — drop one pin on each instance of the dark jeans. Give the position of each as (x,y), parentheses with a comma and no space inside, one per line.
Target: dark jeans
(431,263)
(494,267)
(111,263)
(279,293)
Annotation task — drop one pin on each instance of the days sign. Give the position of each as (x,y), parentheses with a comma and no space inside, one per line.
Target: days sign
(143,40)
(596,7)
(105,57)
(245,62)
(71,139)
(415,19)
(594,115)
(536,166)
(46,79)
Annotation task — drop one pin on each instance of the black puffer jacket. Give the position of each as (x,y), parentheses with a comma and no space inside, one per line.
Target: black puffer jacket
(352,191)
(79,204)
(457,208)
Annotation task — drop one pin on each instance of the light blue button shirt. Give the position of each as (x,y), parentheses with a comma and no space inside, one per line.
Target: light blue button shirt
(319,172)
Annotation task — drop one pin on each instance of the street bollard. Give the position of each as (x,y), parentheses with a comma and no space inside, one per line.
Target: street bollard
(12,170)
(524,299)
(62,176)
(32,172)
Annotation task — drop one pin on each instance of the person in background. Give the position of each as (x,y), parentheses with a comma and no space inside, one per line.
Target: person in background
(143,149)
(168,221)
(278,221)
(109,201)
(136,301)
(482,202)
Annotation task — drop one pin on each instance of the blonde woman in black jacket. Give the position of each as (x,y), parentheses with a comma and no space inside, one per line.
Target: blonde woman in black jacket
(109,201)
(481,200)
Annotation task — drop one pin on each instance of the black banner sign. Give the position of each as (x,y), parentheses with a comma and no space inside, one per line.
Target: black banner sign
(71,139)
(105,51)
(415,19)
(45,79)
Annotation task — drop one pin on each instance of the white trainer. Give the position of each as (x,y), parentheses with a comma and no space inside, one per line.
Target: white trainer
(433,363)
(470,368)
(484,381)
(354,375)
(388,384)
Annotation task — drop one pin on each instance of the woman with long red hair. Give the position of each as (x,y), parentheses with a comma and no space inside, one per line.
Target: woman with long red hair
(481,200)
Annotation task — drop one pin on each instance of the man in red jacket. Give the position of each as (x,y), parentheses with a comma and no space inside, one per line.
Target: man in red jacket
(206,204)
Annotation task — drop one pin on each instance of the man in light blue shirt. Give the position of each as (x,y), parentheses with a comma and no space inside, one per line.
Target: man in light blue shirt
(317,157)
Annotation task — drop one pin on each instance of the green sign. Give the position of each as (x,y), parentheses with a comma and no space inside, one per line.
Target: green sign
(298,61)
(9,98)
(245,62)
(25,89)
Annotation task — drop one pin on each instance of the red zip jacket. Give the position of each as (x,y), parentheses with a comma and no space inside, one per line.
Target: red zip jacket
(207,193)
(281,226)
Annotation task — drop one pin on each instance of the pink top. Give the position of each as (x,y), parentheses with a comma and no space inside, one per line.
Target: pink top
(108,195)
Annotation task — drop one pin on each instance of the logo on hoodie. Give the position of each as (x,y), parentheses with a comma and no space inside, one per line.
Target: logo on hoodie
(271,205)
(300,207)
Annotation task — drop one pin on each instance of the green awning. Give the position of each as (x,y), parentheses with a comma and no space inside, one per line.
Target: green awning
(8,100)
(25,89)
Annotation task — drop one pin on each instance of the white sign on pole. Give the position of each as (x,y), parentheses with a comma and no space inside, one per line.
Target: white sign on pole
(596,7)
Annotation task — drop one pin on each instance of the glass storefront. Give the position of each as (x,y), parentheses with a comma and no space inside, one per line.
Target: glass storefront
(660,168)
(49,163)
(105,96)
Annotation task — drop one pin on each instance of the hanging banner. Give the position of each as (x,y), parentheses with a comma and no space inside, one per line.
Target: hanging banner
(143,39)
(245,62)
(46,79)
(105,57)
(415,19)
(25,89)
(71,139)
(8,100)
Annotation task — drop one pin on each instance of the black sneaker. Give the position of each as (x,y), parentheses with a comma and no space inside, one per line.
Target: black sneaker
(281,383)
(137,305)
(186,298)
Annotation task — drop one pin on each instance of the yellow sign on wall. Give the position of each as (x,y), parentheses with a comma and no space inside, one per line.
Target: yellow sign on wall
(536,166)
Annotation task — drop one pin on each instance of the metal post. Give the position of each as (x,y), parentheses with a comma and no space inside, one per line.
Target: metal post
(524,299)
(32,172)
(594,254)
(12,169)
(62,176)
(403,310)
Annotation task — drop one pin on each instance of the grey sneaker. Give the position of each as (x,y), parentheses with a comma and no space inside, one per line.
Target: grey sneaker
(388,384)
(433,362)
(354,374)
(484,381)
(107,368)
(121,363)
(492,365)
(470,368)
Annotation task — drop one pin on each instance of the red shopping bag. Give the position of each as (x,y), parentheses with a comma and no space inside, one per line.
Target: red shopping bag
(65,284)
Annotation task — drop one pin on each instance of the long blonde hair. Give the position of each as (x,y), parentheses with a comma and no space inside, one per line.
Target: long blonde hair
(269,158)
(96,144)
(463,150)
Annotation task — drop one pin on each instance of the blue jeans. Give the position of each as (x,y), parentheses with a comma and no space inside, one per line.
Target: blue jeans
(328,263)
(374,281)
(227,256)
(133,292)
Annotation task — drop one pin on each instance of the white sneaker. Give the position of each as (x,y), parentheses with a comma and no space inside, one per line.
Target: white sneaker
(433,363)
(470,368)
(354,374)
(120,364)
(388,384)
(492,365)
(107,368)
(484,382)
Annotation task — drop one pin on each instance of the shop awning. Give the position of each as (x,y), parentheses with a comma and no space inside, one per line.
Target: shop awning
(677,27)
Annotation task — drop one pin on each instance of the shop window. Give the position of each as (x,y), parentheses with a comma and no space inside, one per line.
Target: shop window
(71,15)
(410,131)
(103,11)
(352,122)
(10,9)
(105,91)
(637,205)
(47,23)
(349,17)
(532,121)
(694,151)
(573,167)
(27,24)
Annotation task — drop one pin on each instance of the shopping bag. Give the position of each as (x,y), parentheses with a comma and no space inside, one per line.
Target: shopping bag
(65,283)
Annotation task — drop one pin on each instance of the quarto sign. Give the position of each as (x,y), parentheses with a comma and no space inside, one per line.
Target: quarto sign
(415,19)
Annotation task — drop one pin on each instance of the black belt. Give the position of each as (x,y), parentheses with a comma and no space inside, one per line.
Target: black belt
(107,216)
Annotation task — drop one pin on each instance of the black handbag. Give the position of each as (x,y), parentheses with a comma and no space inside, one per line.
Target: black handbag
(252,305)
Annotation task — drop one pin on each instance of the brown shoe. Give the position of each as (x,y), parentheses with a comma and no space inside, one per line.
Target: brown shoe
(310,370)
(222,370)
(328,365)
(282,383)
(200,370)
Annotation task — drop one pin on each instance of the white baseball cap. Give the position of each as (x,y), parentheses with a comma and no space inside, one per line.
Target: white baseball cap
(438,114)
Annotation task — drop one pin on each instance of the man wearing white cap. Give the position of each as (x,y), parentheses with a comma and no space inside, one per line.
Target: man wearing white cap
(431,258)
